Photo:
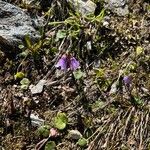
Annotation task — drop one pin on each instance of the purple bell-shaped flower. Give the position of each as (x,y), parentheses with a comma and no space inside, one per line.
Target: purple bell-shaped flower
(66,62)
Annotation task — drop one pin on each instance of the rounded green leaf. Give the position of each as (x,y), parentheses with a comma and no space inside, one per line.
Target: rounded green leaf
(24,87)
(60,121)
(44,130)
(60,35)
(21,46)
(50,145)
(24,83)
(19,75)
(78,74)
(82,142)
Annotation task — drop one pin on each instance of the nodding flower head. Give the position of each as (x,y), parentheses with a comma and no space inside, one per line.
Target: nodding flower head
(67,61)
(53,132)
(127,80)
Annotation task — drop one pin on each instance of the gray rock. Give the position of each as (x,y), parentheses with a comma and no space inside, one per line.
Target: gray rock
(38,88)
(14,25)
(36,121)
(83,6)
(117,3)
(74,134)
(120,7)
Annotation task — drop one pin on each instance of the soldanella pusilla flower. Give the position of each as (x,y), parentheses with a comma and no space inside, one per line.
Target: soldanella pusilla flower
(127,80)
(67,61)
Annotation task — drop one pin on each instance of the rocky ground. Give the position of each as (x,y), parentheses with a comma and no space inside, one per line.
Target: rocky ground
(75,75)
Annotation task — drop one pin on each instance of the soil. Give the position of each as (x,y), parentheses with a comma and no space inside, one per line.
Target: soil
(109,113)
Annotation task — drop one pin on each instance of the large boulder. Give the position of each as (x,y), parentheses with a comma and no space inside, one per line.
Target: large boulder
(14,25)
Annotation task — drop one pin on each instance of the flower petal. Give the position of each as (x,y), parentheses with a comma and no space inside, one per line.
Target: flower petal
(74,64)
(127,80)
(62,63)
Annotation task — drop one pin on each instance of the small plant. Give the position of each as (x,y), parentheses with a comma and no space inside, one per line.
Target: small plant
(60,35)
(50,145)
(19,75)
(138,101)
(33,48)
(44,131)
(139,50)
(82,142)
(60,121)
(24,83)
(78,74)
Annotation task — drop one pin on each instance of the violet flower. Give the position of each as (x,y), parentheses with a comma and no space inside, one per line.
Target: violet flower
(74,64)
(67,61)
(62,63)
(127,80)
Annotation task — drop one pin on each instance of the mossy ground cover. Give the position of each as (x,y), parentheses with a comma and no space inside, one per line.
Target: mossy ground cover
(109,111)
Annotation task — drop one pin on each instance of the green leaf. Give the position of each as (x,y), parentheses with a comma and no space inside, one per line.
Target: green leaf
(60,121)
(138,101)
(37,46)
(44,130)
(24,83)
(100,72)
(28,41)
(139,50)
(97,105)
(87,121)
(50,145)
(24,53)
(82,142)
(132,66)
(60,35)
(19,75)
(100,17)
(21,46)
(78,74)
(24,87)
